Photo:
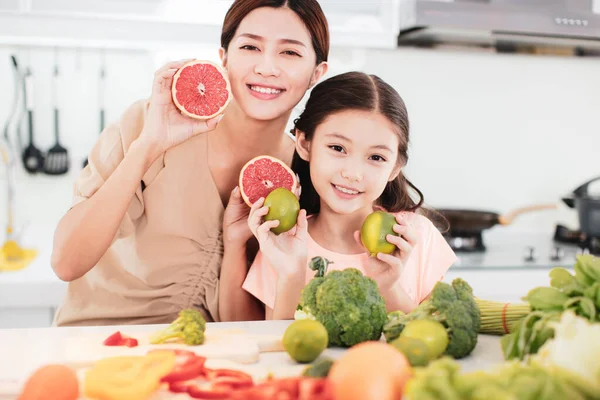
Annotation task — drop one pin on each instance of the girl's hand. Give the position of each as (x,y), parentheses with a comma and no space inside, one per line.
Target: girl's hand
(235,220)
(386,269)
(286,251)
(165,126)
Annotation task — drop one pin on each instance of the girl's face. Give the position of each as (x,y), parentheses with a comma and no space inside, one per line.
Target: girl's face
(271,62)
(352,156)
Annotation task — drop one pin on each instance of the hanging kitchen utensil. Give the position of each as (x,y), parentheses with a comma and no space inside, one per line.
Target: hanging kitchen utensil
(101,85)
(33,159)
(12,255)
(57,159)
(588,208)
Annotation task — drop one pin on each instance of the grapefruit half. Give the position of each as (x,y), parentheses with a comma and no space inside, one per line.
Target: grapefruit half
(201,89)
(263,174)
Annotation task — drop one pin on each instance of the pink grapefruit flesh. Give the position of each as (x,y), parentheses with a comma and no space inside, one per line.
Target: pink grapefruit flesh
(263,174)
(201,89)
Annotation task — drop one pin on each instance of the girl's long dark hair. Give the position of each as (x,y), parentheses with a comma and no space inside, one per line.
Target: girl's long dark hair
(357,91)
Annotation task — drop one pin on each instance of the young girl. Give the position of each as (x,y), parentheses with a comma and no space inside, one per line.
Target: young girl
(351,146)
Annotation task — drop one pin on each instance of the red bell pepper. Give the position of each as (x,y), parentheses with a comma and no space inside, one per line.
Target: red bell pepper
(118,339)
(188,365)
(213,384)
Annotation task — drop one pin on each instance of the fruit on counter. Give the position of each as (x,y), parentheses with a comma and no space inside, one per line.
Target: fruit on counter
(374,231)
(430,332)
(370,370)
(499,318)
(451,305)
(263,174)
(320,369)
(187,328)
(283,207)
(129,377)
(119,339)
(346,302)
(58,380)
(415,350)
(304,340)
(201,89)
(442,379)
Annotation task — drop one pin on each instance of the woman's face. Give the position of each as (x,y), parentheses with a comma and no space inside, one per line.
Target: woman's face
(271,62)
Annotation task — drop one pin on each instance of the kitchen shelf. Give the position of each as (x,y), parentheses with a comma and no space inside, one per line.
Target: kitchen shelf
(130,31)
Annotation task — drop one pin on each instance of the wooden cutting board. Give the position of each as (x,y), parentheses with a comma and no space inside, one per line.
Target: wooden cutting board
(233,345)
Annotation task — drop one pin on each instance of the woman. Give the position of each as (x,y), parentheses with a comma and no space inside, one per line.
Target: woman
(151,225)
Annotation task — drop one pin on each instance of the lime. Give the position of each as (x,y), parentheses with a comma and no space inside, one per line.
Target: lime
(415,350)
(374,230)
(284,207)
(431,332)
(304,340)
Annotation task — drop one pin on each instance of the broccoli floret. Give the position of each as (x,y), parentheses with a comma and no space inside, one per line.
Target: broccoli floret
(451,304)
(348,304)
(188,328)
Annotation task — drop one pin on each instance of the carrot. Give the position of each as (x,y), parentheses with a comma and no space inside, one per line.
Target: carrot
(55,381)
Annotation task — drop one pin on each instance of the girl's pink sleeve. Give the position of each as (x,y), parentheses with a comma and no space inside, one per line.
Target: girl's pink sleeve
(261,281)
(436,258)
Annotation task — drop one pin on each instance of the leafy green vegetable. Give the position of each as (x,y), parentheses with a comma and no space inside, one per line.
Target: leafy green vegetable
(452,305)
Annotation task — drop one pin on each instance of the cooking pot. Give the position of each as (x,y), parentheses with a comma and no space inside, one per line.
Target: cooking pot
(472,222)
(588,208)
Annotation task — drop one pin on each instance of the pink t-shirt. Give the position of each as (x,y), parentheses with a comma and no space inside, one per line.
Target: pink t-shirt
(428,262)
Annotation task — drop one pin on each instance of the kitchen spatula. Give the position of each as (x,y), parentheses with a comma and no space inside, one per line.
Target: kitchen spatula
(57,159)
(33,159)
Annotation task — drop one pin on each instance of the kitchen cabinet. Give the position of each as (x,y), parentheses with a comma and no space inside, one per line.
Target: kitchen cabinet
(172,24)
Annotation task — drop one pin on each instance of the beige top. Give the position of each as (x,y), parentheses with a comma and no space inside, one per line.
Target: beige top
(167,252)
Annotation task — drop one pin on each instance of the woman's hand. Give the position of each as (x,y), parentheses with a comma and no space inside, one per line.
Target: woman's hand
(286,251)
(165,126)
(235,220)
(386,269)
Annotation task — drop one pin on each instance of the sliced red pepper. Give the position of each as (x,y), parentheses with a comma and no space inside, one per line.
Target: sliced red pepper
(217,391)
(188,365)
(213,384)
(235,379)
(118,339)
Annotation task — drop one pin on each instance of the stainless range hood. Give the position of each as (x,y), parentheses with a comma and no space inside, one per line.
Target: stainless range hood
(507,25)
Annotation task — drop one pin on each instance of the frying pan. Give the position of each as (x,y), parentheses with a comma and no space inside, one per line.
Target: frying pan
(474,221)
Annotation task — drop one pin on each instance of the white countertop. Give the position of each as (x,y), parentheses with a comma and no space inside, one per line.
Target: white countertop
(24,350)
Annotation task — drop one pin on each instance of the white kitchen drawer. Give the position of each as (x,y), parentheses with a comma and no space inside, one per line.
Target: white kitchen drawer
(26,317)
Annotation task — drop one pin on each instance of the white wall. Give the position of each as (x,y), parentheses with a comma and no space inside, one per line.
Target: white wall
(488,131)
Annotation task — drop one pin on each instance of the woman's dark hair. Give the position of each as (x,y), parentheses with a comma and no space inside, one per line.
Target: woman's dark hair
(357,91)
(309,11)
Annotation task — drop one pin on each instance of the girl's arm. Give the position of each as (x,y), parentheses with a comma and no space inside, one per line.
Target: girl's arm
(397,299)
(288,294)
(235,303)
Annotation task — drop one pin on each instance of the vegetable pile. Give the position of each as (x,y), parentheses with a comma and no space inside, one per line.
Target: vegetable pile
(579,293)
(346,302)
(453,306)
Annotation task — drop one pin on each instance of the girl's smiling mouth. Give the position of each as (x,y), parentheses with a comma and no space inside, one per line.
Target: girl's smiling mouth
(345,192)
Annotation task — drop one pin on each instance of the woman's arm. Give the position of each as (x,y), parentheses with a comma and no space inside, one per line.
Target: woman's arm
(87,230)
